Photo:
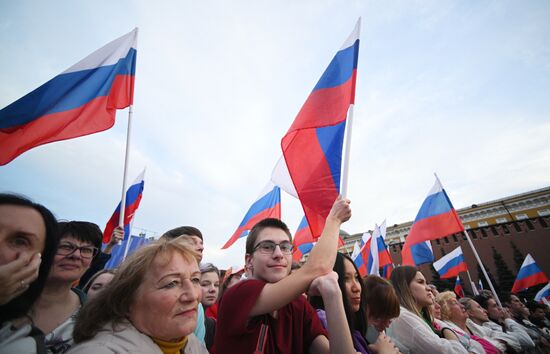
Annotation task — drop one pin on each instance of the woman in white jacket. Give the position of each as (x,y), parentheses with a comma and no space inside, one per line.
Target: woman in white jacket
(150,306)
(411,329)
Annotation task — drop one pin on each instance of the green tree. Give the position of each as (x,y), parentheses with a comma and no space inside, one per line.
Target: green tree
(505,277)
(518,256)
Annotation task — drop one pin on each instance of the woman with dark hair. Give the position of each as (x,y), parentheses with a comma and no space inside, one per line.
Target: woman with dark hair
(97,282)
(28,240)
(358,314)
(414,327)
(55,310)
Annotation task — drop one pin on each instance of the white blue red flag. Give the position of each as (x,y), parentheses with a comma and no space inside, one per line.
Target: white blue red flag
(380,256)
(544,293)
(459,290)
(529,275)
(133,198)
(436,218)
(268,205)
(304,241)
(81,100)
(450,265)
(362,259)
(312,147)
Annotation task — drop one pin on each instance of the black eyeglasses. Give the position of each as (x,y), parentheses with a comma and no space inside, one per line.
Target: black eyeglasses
(268,247)
(67,248)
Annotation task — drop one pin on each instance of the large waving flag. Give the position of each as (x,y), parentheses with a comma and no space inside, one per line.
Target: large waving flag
(529,275)
(459,290)
(417,254)
(436,219)
(268,205)
(451,264)
(312,147)
(80,101)
(133,198)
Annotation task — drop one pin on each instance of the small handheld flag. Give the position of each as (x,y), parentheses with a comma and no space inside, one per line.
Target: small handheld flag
(529,275)
(133,198)
(543,293)
(459,291)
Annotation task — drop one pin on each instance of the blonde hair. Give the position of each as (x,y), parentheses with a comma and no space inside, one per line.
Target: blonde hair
(112,305)
(443,301)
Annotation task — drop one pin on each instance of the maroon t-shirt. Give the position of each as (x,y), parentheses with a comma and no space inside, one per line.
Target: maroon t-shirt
(292,332)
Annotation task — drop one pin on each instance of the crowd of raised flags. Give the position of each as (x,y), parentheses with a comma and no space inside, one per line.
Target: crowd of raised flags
(83,100)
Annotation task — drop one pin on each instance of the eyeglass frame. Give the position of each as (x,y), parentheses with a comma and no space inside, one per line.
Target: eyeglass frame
(274,247)
(79,248)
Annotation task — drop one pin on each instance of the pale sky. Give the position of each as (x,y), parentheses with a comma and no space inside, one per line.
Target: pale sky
(461,88)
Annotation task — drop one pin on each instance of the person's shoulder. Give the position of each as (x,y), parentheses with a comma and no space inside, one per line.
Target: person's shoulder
(245,285)
(194,346)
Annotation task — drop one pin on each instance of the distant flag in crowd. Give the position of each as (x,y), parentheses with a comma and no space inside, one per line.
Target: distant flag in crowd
(304,241)
(383,257)
(436,219)
(268,205)
(117,254)
(450,265)
(386,271)
(480,287)
(80,101)
(133,198)
(459,291)
(529,275)
(362,259)
(301,250)
(544,293)
(312,147)
(356,250)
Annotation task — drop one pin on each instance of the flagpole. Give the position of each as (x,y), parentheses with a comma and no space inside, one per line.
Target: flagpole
(474,290)
(482,268)
(126,159)
(347,150)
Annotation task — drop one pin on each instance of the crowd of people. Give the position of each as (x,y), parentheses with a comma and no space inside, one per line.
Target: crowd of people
(57,298)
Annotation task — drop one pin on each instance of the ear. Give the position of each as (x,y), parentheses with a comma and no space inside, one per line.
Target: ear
(248,262)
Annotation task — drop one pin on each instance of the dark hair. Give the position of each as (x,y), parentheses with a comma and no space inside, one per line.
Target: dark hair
(81,230)
(182,231)
(381,298)
(95,276)
(20,305)
(112,305)
(356,320)
(482,300)
(256,229)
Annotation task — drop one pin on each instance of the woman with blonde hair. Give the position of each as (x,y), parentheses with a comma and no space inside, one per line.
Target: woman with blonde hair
(413,328)
(149,307)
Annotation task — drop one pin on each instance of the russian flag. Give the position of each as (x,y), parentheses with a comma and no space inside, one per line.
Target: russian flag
(133,198)
(304,241)
(417,254)
(382,257)
(436,219)
(268,205)
(312,147)
(117,254)
(80,101)
(362,259)
(386,271)
(544,293)
(451,264)
(529,275)
(459,291)
(301,250)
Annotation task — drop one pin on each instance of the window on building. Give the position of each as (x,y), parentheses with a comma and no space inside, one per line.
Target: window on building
(543,212)
(473,234)
(455,239)
(438,242)
(543,223)
(521,216)
(517,227)
(529,225)
(501,220)
(446,239)
(494,231)
(482,223)
(483,233)
(505,229)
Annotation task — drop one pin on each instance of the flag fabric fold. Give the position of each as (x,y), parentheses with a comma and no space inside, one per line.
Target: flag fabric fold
(80,101)
(268,205)
(450,265)
(529,275)
(312,147)
(436,218)
(133,198)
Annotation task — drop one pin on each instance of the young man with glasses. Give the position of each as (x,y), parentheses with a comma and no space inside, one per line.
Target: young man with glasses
(55,310)
(266,313)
